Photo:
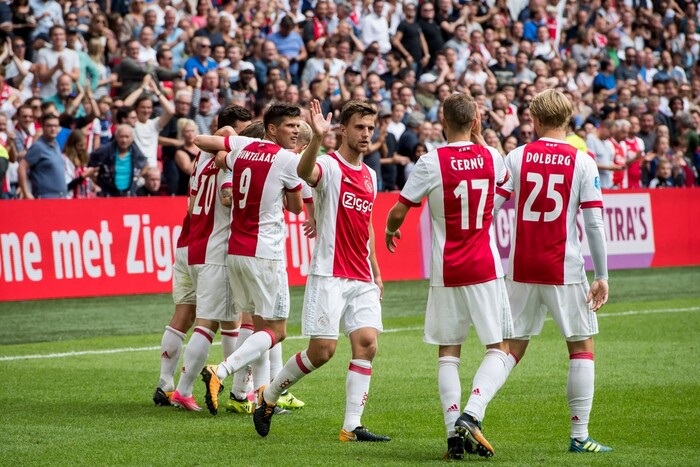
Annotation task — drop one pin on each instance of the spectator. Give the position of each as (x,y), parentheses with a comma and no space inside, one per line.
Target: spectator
(211,29)
(201,61)
(169,140)
(290,45)
(665,178)
(375,28)
(132,73)
(65,100)
(151,182)
(78,174)
(120,164)
(316,27)
(47,14)
(185,154)
(147,129)
(133,21)
(410,41)
(56,61)
(431,32)
(45,164)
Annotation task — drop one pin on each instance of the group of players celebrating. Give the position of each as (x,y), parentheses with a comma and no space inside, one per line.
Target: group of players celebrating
(230,262)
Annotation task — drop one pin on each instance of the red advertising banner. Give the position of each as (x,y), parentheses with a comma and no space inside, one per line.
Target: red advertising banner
(80,248)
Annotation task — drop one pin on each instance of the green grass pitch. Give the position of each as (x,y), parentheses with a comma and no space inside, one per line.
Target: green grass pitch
(94,408)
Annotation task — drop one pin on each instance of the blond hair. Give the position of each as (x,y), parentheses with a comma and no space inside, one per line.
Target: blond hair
(182,124)
(552,109)
(305,134)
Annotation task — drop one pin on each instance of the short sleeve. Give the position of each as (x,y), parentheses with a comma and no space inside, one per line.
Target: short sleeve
(306,193)
(591,196)
(506,189)
(227,182)
(418,184)
(233,145)
(325,167)
(288,176)
(499,167)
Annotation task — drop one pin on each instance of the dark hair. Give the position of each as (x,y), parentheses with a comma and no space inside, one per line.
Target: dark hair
(276,113)
(49,116)
(254,130)
(123,113)
(161,50)
(55,27)
(356,107)
(459,111)
(233,113)
(288,22)
(141,98)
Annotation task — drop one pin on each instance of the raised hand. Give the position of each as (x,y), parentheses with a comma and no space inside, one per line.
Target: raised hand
(319,125)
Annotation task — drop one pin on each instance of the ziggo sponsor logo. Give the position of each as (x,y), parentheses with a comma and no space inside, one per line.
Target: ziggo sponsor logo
(351,201)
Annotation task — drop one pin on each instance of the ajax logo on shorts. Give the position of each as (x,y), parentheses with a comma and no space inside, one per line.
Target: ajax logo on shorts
(351,201)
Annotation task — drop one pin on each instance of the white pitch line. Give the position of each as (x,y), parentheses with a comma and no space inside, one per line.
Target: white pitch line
(415,328)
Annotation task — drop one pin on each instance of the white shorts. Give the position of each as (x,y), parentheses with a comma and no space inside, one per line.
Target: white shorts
(214,301)
(183,288)
(260,286)
(332,303)
(451,310)
(567,304)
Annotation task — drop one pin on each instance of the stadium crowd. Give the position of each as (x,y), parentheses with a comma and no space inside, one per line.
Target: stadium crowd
(132,82)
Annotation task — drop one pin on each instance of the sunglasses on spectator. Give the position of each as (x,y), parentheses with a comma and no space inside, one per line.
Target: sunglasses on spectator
(205,46)
(19,46)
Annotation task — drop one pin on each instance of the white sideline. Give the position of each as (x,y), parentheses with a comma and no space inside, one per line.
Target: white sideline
(417,328)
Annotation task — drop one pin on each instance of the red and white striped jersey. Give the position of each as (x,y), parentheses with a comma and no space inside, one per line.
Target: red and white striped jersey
(343,199)
(184,239)
(209,221)
(551,180)
(262,173)
(460,181)
(633,174)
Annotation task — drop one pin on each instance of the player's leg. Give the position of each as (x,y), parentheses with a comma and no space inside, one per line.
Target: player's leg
(239,401)
(323,306)
(450,389)
(170,349)
(578,324)
(528,314)
(193,361)
(447,325)
(361,321)
(316,355)
(267,296)
(486,305)
(229,337)
(174,335)
(287,400)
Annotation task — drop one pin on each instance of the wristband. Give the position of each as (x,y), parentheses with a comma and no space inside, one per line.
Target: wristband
(390,232)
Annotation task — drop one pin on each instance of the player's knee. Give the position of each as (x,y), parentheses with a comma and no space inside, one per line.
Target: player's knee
(280,335)
(321,356)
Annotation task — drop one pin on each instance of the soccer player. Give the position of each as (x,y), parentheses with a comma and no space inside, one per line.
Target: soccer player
(209,214)
(551,180)
(182,320)
(466,280)
(239,401)
(264,174)
(344,287)
(184,295)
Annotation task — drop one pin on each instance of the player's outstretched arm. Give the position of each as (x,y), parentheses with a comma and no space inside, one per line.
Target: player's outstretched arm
(306,169)
(216,142)
(593,223)
(393,223)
